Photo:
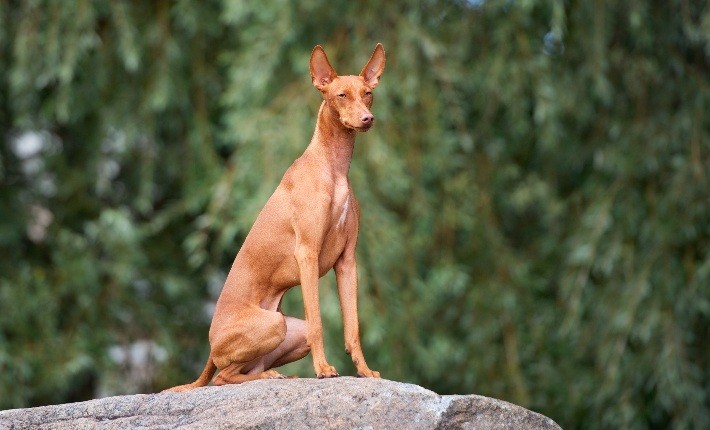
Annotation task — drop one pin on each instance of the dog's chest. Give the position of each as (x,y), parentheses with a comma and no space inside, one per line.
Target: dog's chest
(336,235)
(341,204)
(343,213)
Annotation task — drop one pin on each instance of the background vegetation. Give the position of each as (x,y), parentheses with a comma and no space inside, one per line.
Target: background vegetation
(536,213)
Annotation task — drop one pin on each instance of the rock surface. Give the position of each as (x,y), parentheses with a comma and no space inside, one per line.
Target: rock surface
(341,403)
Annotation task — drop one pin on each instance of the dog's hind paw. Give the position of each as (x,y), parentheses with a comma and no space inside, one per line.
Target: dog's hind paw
(272,374)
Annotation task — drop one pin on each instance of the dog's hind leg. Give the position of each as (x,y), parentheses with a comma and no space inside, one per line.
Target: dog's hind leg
(232,375)
(240,344)
(294,347)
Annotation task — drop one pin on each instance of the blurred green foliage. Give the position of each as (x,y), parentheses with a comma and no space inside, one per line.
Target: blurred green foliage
(536,213)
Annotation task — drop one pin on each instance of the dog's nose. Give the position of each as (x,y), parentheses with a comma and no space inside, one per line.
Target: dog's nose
(367,119)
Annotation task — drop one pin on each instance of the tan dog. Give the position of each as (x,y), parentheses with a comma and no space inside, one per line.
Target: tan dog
(308,226)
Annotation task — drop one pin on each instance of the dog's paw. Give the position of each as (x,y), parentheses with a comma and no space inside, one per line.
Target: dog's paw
(367,373)
(272,374)
(327,371)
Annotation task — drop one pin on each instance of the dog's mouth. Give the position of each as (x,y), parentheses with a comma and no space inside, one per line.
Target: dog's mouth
(362,129)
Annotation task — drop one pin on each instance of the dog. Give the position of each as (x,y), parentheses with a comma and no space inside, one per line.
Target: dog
(308,226)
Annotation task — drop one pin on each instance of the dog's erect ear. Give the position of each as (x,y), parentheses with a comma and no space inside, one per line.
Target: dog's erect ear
(322,73)
(374,68)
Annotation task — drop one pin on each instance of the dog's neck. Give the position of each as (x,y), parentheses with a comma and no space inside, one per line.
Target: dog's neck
(333,140)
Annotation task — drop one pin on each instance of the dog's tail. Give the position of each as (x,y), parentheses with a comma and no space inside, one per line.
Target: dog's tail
(204,379)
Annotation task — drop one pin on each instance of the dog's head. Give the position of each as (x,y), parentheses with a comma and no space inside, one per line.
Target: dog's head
(350,96)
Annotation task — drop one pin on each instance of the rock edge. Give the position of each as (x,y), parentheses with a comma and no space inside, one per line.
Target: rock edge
(340,403)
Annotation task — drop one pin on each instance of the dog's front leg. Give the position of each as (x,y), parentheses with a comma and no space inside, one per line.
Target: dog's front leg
(346,277)
(307,259)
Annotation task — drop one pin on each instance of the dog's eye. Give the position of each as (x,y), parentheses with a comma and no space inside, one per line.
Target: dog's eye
(342,95)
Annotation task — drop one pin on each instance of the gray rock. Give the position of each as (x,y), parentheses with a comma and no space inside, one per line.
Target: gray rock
(341,403)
